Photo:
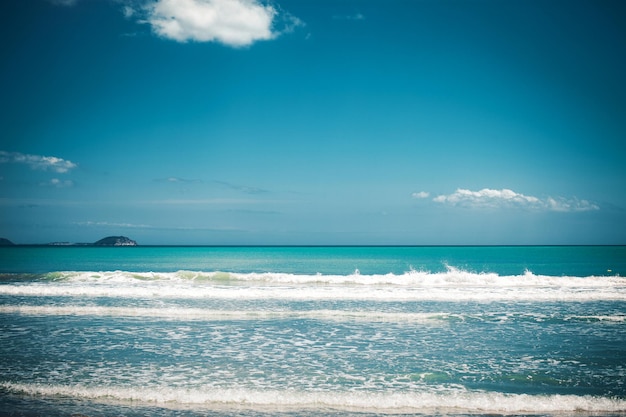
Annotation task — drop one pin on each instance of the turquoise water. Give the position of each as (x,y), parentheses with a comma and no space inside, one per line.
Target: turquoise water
(307,331)
(505,260)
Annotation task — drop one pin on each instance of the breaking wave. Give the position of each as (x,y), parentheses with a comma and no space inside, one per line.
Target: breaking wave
(452,285)
(459,400)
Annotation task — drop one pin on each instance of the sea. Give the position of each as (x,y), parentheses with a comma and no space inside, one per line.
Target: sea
(313,331)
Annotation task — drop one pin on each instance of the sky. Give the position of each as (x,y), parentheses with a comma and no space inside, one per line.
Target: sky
(313,122)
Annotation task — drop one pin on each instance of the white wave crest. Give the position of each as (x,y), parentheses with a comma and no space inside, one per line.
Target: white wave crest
(374,401)
(452,277)
(452,285)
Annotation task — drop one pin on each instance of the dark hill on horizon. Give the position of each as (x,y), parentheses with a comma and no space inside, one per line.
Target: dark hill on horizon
(115,241)
(5,242)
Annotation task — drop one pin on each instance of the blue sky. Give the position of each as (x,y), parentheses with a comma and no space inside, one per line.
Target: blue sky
(313,121)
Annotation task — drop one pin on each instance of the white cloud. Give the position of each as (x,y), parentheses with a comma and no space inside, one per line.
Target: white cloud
(55,182)
(505,198)
(243,188)
(44,163)
(486,198)
(203,201)
(178,180)
(128,11)
(232,22)
(235,23)
(421,194)
(573,204)
(289,22)
(357,16)
(109,224)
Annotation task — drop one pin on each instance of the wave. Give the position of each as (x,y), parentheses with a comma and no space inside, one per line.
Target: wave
(458,400)
(452,285)
(199,314)
(452,277)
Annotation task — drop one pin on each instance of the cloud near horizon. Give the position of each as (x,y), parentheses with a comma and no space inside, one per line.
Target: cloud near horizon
(120,225)
(494,199)
(39,162)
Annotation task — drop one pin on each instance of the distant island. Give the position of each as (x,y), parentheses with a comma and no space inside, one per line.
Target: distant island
(107,241)
(115,241)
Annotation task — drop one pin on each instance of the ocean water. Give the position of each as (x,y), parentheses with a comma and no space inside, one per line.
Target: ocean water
(313,331)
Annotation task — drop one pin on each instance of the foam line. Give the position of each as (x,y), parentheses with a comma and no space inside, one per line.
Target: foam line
(374,401)
(180,313)
(220,315)
(319,292)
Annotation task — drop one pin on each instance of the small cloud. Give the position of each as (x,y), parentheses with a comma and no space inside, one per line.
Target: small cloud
(177,180)
(235,23)
(572,204)
(290,23)
(357,16)
(260,212)
(40,162)
(243,188)
(421,194)
(505,198)
(202,201)
(57,183)
(128,11)
(120,225)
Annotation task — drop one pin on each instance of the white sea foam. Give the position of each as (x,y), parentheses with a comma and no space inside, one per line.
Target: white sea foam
(219,315)
(452,285)
(484,293)
(453,277)
(458,400)
(199,314)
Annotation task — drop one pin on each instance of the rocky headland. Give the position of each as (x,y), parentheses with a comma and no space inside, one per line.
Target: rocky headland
(115,241)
